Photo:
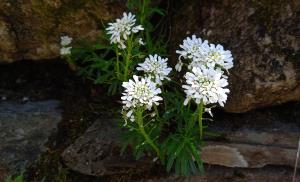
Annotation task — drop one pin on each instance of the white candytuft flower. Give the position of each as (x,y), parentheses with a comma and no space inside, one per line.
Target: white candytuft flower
(214,56)
(122,29)
(65,51)
(141,42)
(139,93)
(178,66)
(201,53)
(156,68)
(65,40)
(205,85)
(191,47)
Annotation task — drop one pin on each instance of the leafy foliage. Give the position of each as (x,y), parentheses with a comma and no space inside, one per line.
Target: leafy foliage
(173,132)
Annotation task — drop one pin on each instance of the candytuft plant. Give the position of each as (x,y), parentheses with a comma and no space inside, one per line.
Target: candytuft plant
(162,116)
(176,116)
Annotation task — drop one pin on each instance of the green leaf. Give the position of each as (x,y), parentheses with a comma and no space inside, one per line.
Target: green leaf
(158,11)
(170,163)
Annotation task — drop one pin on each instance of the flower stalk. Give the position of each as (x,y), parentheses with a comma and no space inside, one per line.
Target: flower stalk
(200,119)
(127,58)
(140,122)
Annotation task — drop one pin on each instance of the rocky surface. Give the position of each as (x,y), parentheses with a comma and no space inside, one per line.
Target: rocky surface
(247,155)
(264,39)
(31,29)
(97,151)
(216,174)
(24,129)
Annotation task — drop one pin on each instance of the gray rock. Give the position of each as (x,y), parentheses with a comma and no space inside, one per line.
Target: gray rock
(222,174)
(97,152)
(247,155)
(249,146)
(24,129)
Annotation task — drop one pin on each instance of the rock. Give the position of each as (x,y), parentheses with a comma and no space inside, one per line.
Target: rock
(223,155)
(264,39)
(272,140)
(32,29)
(24,129)
(247,156)
(217,174)
(97,152)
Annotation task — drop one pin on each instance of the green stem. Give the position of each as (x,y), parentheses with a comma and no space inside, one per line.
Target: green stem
(200,113)
(127,58)
(118,62)
(139,119)
(156,111)
(143,12)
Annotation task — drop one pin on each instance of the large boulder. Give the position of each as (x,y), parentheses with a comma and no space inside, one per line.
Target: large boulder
(31,29)
(264,37)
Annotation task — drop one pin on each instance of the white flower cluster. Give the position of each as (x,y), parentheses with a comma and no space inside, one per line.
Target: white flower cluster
(65,41)
(139,92)
(205,85)
(205,80)
(122,29)
(156,68)
(200,52)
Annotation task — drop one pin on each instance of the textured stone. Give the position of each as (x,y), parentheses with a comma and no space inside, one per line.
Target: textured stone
(31,29)
(247,156)
(264,39)
(217,174)
(97,152)
(24,129)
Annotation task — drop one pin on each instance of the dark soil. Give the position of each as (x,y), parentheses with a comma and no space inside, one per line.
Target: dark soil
(83,103)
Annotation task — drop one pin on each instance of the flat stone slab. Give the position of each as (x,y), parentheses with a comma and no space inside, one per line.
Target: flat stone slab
(222,174)
(24,129)
(275,143)
(247,155)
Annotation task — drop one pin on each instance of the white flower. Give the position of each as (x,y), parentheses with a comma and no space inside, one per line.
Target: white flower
(208,110)
(178,66)
(122,29)
(191,47)
(141,41)
(201,53)
(205,85)
(155,67)
(214,56)
(65,40)
(140,93)
(65,51)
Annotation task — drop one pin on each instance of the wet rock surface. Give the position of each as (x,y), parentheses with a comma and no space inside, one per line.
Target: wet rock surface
(24,130)
(264,39)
